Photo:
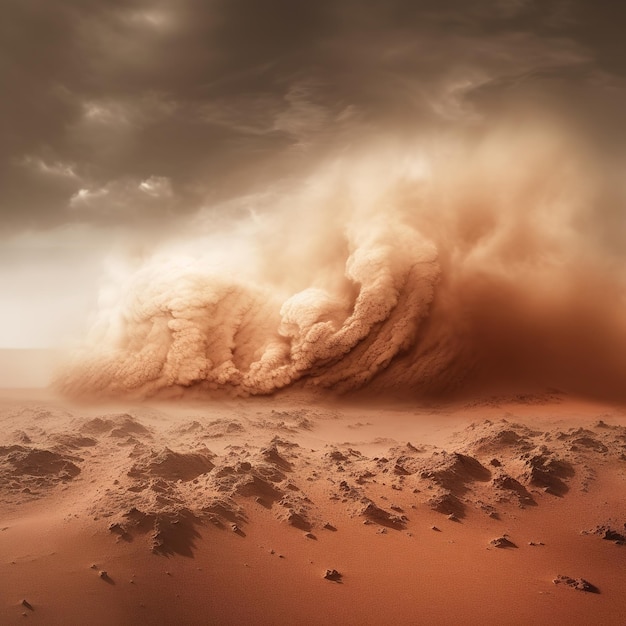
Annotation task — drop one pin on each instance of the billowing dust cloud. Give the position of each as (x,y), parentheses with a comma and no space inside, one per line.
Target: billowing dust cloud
(409,269)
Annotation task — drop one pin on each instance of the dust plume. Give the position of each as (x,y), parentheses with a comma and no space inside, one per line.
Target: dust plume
(432,265)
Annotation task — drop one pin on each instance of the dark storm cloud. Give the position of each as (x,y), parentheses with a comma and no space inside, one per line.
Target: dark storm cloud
(215,98)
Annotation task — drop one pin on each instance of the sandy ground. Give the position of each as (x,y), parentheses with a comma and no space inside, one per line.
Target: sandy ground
(234,512)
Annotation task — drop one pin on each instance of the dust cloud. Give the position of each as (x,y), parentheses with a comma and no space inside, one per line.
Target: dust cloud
(438,265)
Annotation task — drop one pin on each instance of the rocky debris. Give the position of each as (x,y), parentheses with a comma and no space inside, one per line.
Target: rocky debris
(582,438)
(487,508)
(588,443)
(503,434)
(268,472)
(548,472)
(329,526)
(212,429)
(292,420)
(253,486)
(608,533)
(222,510)
(454,471)
(363,477)
(297,520)
(579,584)
(407,459)
(172,465)
(350,492)
(74,441)
(536,543)
(448,504)
(171,531)
(381,462)
(235,476)
(399,469)
(273,456)
(337,456)
(502,542)
(333,574)
(216,429)
(21,465)
(376,514)
(508,484)
(288,421)
(214,488)
(118,529)
(174,533)
(295,512)
(225,470)
(116,425)
(284,443)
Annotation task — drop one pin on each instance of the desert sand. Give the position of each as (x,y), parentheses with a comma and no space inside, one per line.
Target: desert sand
(294,510)
(313,312)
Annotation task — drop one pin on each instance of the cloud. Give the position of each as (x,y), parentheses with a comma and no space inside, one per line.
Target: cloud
(125,197)
(227,95)
(327,193)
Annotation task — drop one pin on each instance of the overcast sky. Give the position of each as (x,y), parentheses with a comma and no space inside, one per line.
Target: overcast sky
(122,119)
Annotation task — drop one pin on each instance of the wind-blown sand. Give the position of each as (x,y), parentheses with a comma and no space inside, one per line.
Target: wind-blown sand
(234,512)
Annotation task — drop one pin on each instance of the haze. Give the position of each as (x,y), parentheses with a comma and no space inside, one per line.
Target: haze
(241,197)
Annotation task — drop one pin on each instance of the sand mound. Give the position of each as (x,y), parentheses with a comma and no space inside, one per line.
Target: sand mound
(172,465)
(74,442)
(19,461)
(212,429)
(116,425)
(454,471)
(512,488)
(492,437)
(170,532)
(374,513)
(548,471)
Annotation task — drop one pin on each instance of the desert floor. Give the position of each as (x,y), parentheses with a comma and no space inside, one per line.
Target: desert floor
(237,512)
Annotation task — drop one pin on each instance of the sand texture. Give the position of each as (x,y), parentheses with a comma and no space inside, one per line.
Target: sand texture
(290,511)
